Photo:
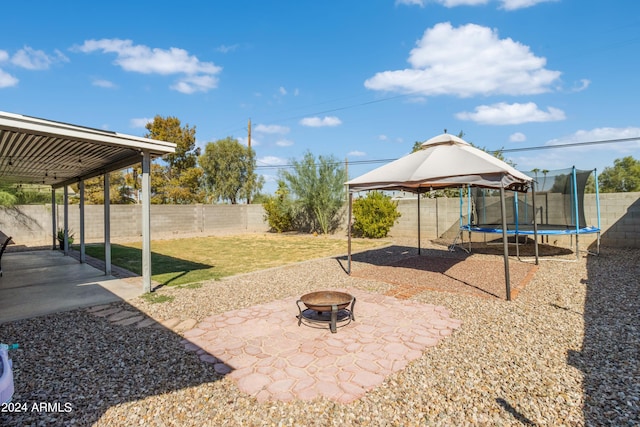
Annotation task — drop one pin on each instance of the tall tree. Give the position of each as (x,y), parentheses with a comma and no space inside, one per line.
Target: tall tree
(229,171)
(170,129)
(179,181)
(623,176)
(319,189)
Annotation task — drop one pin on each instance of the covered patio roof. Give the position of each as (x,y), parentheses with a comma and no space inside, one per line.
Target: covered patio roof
(46,152)
(38,151)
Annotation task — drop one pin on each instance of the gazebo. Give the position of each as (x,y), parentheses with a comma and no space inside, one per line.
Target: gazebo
(46,152)
(443,161)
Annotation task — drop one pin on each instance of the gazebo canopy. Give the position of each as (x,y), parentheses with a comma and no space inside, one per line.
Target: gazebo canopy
(39,151)
(443,161)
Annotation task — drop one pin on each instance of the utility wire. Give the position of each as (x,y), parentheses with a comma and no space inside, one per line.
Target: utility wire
(510,150)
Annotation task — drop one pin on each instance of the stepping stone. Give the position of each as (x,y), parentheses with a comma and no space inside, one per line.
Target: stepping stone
(170,323)
(128,321)
(147,322)
(98,308)
(185,325)
(106,313)
(122,315)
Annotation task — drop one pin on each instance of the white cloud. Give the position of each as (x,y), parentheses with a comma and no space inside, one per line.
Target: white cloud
(356,153)
(466,61)
(584,83)
(272,129)
(140,122)
(504,4)
(227,49)
(520,4)
(517,137)
(284,143)
(32,59)
(282,90)
(7,80)
(420,3)
(245,141)
(383,137)
(320,122)
(197,76)
(269,178)
(604,134)
(271,161)
(191,84)
(103,83)
(511,114)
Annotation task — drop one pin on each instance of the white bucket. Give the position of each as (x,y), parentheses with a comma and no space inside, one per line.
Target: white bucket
(6,375)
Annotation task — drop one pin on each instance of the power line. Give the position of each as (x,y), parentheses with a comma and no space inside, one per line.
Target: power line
(572,144)
(510,150)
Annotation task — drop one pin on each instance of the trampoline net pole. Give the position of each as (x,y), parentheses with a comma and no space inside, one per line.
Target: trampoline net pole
(505,243)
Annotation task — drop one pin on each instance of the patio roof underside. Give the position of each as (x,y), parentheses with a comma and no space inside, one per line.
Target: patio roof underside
(45,152)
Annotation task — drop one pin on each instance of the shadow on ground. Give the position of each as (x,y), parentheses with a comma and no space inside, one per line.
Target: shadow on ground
(130,259)
(610,355)
(86,364)
(438,269)
(395,253)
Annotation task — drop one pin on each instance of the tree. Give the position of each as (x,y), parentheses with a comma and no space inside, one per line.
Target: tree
(623,176)
(319,190)
(26,194)
(119,191)
(179,181)
(229,170)
(169,129)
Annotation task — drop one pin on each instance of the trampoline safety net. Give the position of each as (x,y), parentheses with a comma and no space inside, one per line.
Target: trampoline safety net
(559,204)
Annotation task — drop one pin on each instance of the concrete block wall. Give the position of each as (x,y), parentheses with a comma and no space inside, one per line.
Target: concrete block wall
(620,217)
(32,225)
(439,218)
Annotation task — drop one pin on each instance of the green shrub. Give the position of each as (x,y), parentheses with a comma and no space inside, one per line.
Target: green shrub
(7,199)
(374,215)
(279,210)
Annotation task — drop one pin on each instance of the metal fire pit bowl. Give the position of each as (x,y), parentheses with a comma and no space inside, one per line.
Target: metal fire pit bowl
(326,307)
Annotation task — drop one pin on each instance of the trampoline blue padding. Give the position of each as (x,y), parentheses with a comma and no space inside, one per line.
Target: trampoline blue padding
(557,230)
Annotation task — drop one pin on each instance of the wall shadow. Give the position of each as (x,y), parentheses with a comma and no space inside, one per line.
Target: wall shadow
(81,365)
(610,355)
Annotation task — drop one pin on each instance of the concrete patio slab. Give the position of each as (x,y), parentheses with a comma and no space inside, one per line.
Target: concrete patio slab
(272,358)
(36,283)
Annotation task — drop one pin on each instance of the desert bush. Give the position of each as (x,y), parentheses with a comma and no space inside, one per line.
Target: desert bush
(374,215)
(279,210)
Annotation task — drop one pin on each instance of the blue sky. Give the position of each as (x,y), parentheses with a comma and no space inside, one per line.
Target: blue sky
(359,80)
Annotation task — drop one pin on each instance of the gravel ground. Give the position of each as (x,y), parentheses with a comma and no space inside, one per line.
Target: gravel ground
(564,352)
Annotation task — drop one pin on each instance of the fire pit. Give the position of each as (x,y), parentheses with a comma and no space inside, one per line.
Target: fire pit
(326,307)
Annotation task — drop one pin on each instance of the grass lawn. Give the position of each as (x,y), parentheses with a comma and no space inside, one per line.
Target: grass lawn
(182,261)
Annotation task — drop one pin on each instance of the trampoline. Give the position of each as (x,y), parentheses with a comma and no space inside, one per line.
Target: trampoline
(554,207)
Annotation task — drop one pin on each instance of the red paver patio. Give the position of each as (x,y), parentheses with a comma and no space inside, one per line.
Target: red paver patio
(272,358)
